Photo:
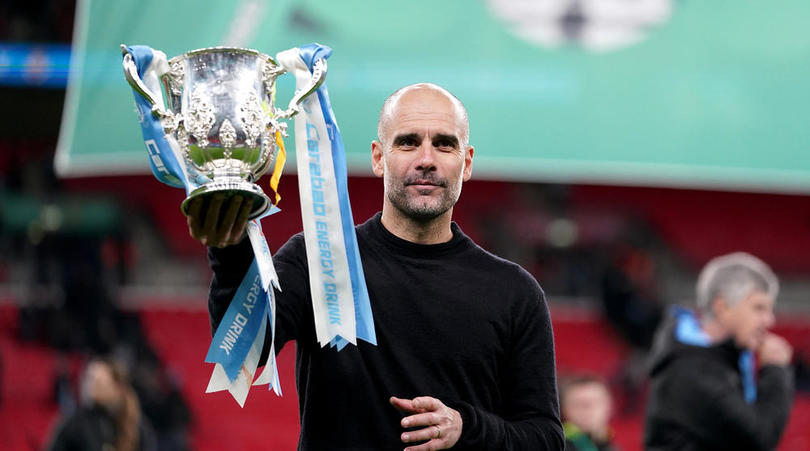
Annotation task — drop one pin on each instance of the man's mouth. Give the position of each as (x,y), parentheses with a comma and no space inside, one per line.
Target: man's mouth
(423,183)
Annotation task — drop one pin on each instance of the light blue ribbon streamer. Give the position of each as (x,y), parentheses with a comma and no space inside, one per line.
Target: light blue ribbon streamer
(688,331)
(162,160)
(240,325)
(311,53)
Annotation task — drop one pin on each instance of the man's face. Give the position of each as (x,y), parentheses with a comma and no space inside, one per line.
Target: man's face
(748,320)
(100,385)
(587,406)
(422,159)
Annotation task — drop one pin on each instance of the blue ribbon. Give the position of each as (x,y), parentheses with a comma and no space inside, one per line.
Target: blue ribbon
(240,325)
(310,53)
(162,160)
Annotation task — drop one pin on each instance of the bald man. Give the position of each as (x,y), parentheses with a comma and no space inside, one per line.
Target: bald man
(465,354)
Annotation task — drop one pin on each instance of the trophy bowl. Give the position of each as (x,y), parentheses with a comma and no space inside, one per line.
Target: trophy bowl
(220,111)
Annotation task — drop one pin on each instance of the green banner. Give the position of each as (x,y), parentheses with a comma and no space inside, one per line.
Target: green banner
(659,92)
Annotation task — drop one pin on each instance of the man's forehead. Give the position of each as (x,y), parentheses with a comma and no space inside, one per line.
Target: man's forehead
(423,106)
(414,109)
(761,296)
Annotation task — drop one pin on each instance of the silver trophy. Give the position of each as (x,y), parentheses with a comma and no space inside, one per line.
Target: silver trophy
(221,113)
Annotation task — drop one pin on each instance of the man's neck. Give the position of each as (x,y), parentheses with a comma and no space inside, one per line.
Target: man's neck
(433,231)
(714,329)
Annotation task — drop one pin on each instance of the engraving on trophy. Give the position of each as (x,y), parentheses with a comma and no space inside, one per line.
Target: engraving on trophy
(227,136)
(200,117)
(252,119)
(175,77)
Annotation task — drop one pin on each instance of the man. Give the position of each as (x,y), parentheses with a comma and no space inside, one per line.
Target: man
(704,394)
(586,406)
(465,354)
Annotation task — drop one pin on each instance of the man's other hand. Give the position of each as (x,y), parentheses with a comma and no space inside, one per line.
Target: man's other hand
(774,350)
(212,227)
(440,425)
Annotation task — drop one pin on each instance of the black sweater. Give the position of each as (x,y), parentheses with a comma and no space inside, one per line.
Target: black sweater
(696,399)
(452,321)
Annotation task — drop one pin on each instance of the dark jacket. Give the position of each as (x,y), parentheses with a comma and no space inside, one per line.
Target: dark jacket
(697,403)
(93,428)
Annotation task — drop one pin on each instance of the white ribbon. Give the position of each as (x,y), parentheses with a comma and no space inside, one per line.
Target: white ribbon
(329,272)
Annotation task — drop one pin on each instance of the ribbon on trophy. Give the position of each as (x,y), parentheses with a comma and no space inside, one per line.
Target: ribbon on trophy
(164,152)
(340,299)
(238,341)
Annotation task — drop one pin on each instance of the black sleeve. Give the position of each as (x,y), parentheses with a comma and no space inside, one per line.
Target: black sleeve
(294,317)
(229,265)
(293,310)
(715,410)
(531,416)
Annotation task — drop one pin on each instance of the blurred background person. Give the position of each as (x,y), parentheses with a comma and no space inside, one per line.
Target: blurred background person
(705,394)
(109,416)
(586,406)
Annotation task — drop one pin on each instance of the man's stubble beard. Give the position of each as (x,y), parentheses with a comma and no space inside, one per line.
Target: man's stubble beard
(422,210)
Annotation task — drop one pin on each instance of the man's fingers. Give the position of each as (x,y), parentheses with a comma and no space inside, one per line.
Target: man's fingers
(420,419)
(435,424)
(211,220)
(241,221)
(193,217)
(211,227)
(226,225)
(774,350)
(430,434)
(426,403)
(403,405)
(416,405)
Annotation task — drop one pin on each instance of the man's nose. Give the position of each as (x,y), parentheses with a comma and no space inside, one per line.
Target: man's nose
(426,159)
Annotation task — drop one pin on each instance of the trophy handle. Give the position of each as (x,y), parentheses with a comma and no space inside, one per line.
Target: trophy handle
(318,77)
(134,80)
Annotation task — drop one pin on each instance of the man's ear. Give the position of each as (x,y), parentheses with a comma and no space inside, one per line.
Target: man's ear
(719,307)
(377,158)
(468,158)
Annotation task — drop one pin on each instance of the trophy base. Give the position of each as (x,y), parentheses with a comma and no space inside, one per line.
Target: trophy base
(240,187)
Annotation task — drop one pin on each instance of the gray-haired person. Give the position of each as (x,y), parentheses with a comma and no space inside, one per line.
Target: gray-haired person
(705,394)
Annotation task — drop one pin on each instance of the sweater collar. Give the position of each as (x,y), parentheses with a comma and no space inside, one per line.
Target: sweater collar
(378,231)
